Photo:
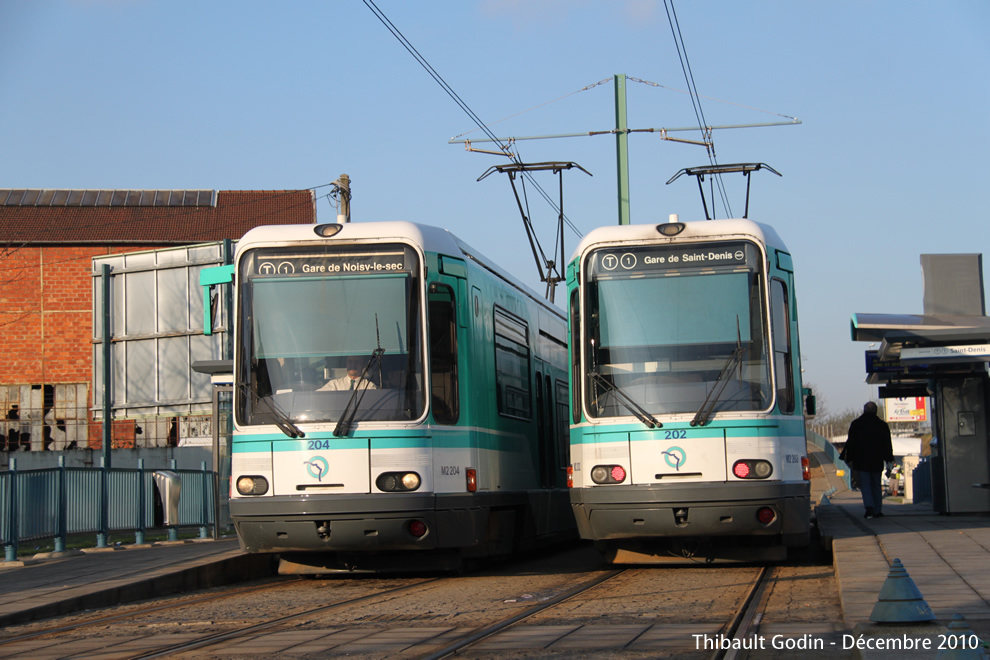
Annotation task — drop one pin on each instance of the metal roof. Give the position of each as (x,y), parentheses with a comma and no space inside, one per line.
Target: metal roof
(142,217)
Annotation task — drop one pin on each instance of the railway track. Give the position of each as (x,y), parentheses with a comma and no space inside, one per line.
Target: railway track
(47,630)
(210,640)
(606,611)
(504,624)
(746,618)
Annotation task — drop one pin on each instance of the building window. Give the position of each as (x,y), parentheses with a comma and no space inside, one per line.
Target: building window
(44,417)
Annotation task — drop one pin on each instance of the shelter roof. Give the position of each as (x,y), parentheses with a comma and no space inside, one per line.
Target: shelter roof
(918,328)
(915,348)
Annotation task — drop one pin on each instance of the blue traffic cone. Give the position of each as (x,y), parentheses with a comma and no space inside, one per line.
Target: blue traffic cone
(961,643)
(900,601)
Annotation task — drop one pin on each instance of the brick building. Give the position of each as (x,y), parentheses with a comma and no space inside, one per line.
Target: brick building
(48,239)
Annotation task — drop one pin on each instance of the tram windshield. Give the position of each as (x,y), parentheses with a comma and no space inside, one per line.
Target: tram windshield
(664,322)
(310,320)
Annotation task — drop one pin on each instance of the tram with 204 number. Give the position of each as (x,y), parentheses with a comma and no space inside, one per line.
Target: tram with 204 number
(399,401)
(687,436)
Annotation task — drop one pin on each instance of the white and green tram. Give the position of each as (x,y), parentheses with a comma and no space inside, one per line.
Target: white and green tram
(399,401)
(688,423)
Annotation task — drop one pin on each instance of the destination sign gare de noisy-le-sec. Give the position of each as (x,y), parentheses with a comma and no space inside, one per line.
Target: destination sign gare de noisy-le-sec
(397,260)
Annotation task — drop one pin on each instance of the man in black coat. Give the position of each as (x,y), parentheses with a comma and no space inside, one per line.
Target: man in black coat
(867,449)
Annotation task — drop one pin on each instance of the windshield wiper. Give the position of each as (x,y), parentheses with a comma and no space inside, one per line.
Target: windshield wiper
(636,409)
(354,402)
(278,416)
(708,404)
(705,411)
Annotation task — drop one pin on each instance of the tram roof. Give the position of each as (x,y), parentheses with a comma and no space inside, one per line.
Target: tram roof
(431,238)
(723,229)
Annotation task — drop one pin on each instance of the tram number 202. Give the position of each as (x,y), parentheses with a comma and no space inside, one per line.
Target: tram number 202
(676,434)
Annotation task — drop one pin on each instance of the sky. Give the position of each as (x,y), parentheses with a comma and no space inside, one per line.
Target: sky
(887,163)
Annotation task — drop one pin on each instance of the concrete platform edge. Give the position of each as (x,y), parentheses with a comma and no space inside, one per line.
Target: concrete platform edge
(212,574)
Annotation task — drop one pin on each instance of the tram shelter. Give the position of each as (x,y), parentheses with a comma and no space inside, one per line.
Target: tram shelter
(943,354)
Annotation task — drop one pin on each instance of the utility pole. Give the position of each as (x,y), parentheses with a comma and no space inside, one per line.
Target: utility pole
(343,185)
(622,131)
(621,148)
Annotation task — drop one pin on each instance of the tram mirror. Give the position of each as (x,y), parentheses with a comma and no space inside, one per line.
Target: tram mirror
(810,405)
(209,278)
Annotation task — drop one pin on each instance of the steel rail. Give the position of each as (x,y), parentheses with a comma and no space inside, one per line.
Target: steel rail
(216,638)
(499,626)
(742,621)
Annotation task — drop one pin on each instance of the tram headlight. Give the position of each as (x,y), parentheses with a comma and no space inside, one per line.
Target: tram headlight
(671,228)
(752,469)
(328,230)
(398,482)
(608,474)
(252,485)
(762,469)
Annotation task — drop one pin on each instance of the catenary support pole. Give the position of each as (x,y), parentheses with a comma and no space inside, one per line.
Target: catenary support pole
(622,148)
(104,532)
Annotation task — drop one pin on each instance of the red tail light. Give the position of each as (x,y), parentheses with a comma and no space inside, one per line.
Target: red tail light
(570,476)
(472,479)
(805,468)
(417,528)
(752,468)
(766,515)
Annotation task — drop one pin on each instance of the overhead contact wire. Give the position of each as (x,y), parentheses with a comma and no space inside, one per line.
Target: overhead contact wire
(457,99)
(699,112)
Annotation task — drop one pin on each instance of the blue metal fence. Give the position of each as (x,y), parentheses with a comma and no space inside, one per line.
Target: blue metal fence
(52,503)
(823,443)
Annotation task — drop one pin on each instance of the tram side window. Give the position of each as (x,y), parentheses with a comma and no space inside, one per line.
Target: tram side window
(445,401)
(512,391)
(780,311)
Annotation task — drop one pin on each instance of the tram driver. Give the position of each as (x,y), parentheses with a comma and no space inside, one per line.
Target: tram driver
(349,381)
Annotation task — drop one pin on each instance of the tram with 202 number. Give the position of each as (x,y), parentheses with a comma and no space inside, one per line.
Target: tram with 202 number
(687,435)
(399,401)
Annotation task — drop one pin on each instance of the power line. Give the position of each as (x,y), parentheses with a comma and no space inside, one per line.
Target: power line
(380,15)
(699,112)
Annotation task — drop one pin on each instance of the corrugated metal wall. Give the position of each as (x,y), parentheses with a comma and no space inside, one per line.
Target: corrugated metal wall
(157,321)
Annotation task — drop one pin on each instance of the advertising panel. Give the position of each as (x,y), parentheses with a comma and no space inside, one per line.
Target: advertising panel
(907,409)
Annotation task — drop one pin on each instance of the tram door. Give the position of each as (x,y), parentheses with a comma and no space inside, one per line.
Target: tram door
(444,394)
(546,429)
